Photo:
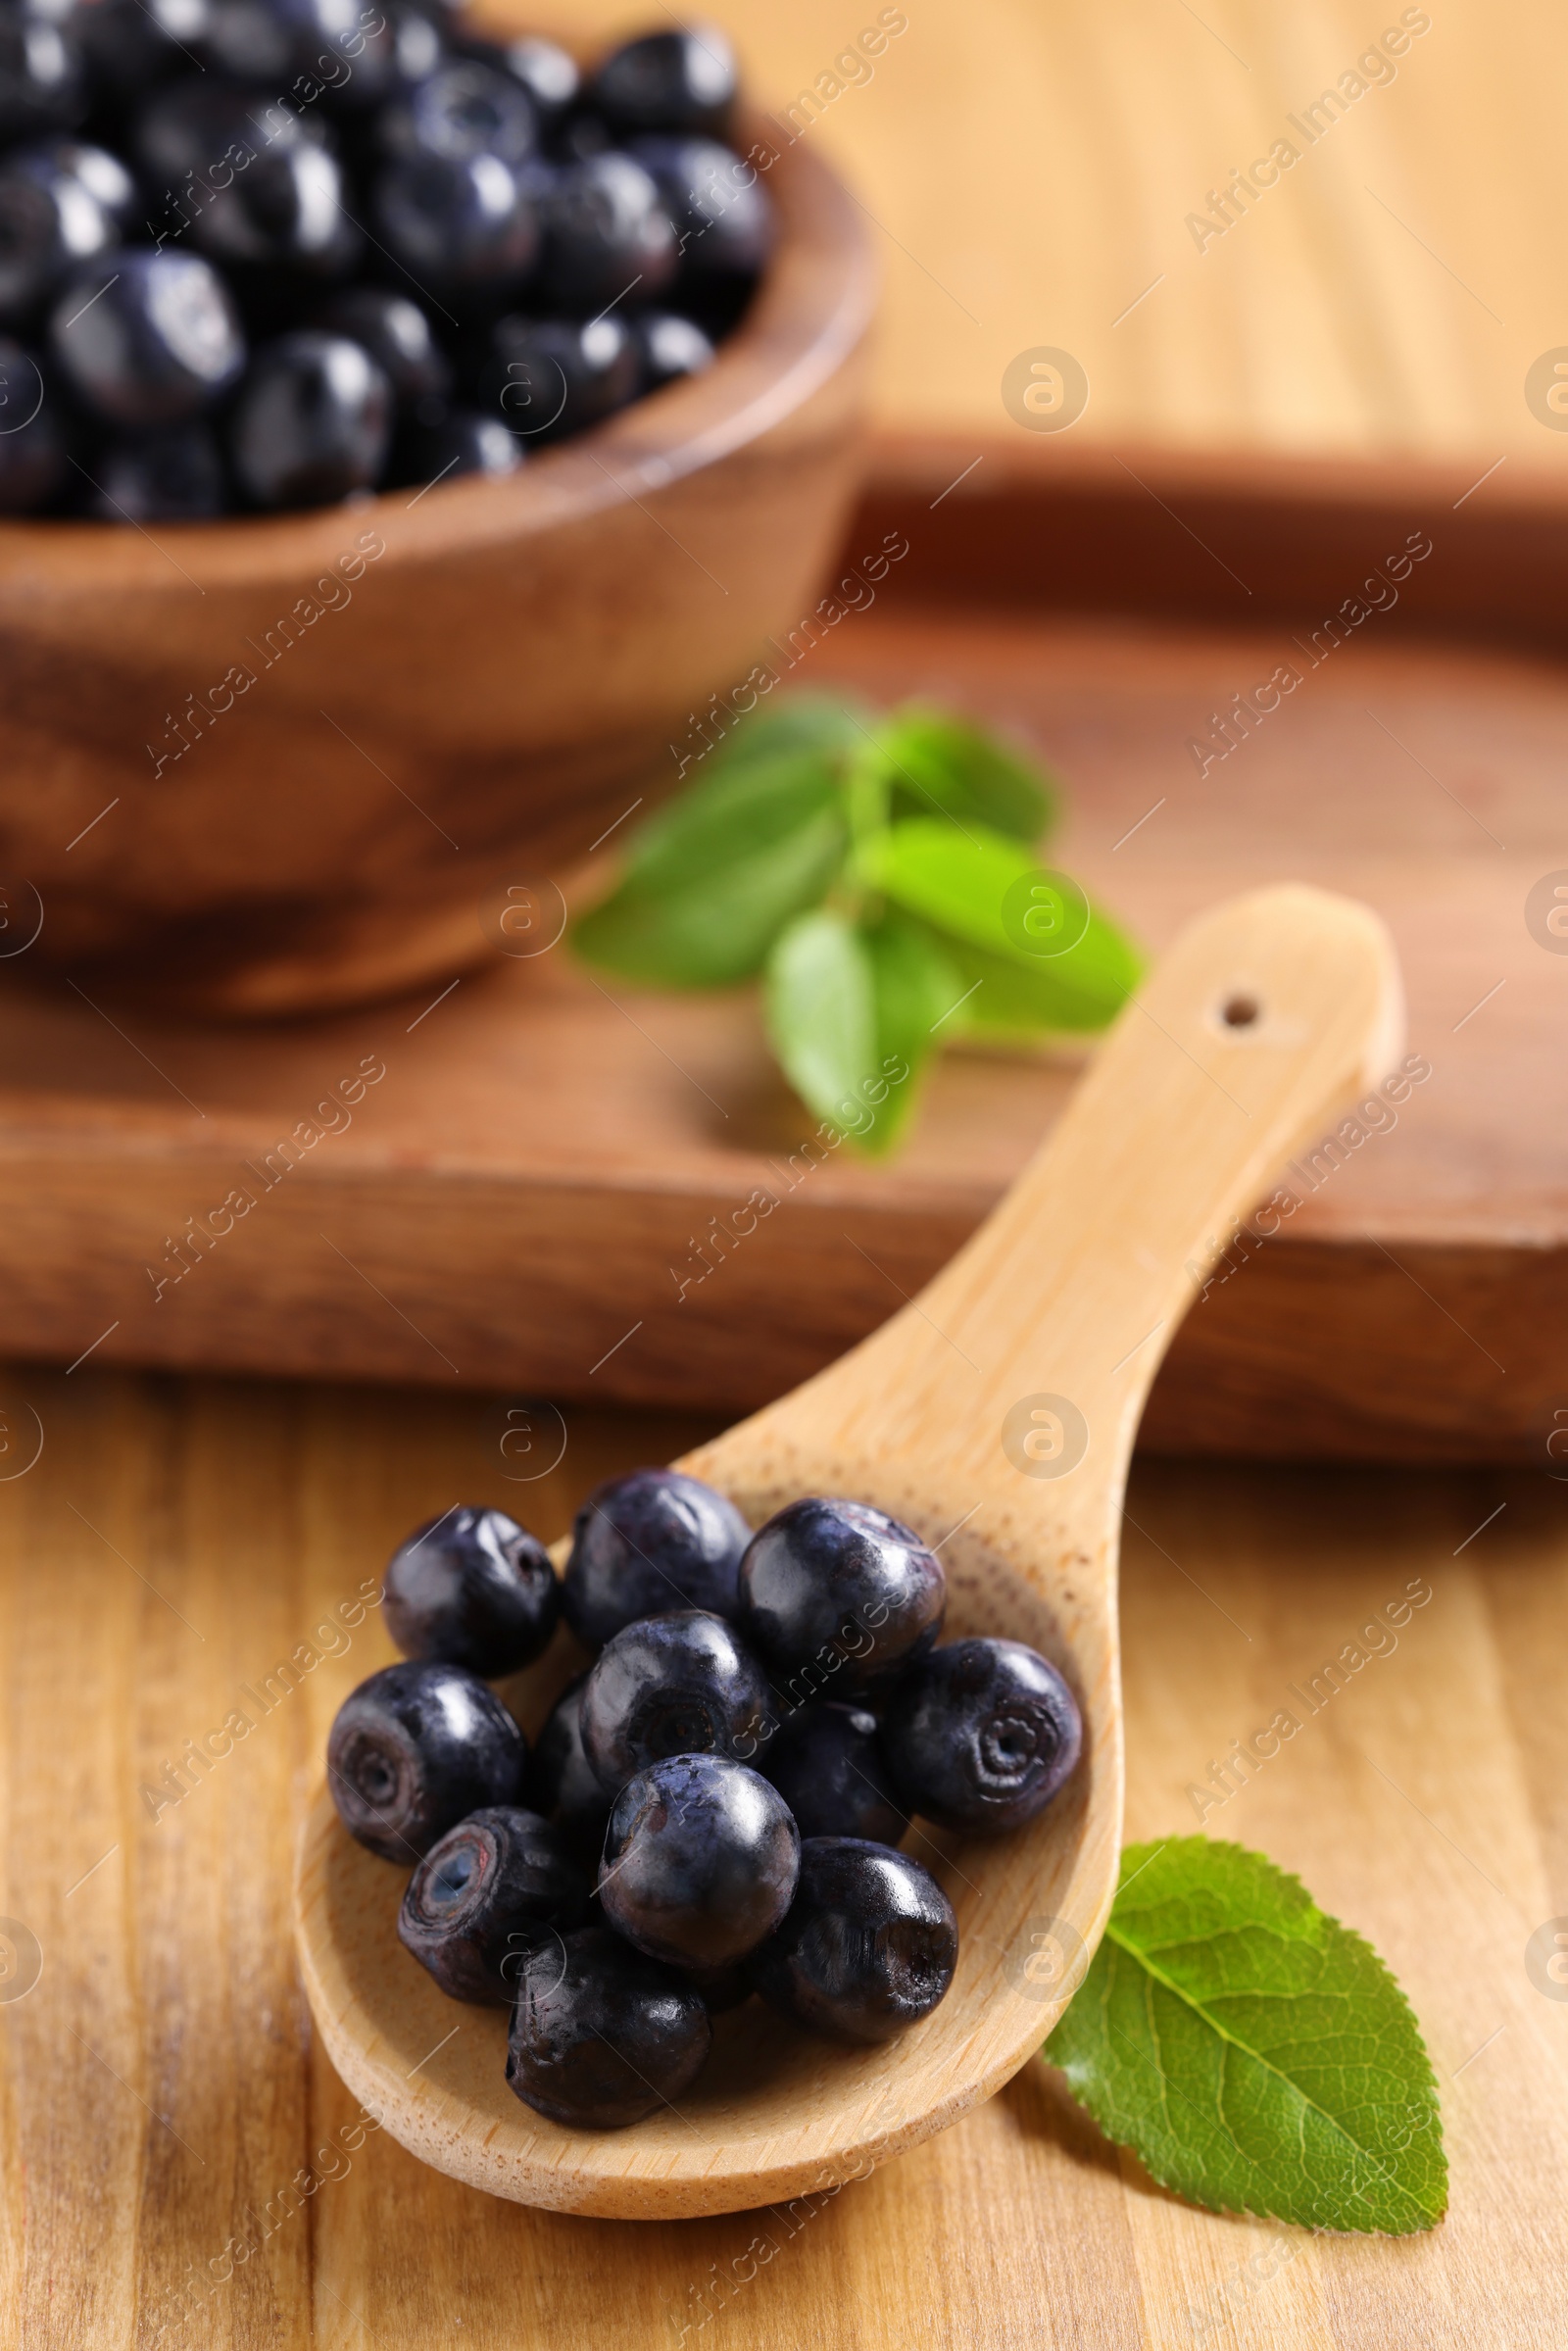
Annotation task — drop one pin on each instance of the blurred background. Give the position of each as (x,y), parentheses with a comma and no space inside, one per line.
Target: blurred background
(1031,169)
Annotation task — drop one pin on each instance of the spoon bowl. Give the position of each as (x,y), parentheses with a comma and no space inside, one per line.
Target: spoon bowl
(996,1415)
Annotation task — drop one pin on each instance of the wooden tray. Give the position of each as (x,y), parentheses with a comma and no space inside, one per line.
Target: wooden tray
(515,1203)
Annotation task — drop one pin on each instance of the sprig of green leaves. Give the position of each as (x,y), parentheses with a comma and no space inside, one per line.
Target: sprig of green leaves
(880,876)
(1257,2055)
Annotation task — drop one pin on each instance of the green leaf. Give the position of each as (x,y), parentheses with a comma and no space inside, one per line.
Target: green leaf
(820,1007)
(728,817)
(1257,2055)
(717,926)
(826,725)
(940,766)
(712,879)
(913,984)
(1003,999)
(969,885)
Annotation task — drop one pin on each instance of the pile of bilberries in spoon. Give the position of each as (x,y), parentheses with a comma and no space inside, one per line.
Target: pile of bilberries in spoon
(717,1808)
(263,253)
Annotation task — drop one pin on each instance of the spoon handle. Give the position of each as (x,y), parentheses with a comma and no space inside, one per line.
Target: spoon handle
(1032,1351)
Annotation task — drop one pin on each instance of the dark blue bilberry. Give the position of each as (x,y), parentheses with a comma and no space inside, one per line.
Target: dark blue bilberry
(57,213)
(869,1944)
(494,1889)
(837,1595)
(147,338)
(600,2034)
(680,81)
(464,109)
(416,1749)
(472,1588)
(441,443)
(607,236)
(40,73)
(648,1543)
(467,225)
(561,1782)
(826,1762)
(548,378)
(312,422)
(723,215)
(680,1684)
(981,1735)
(700,1861)
(672,348)
(397,334)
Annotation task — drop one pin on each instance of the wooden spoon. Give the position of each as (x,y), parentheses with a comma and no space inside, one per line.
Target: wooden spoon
(996,1414)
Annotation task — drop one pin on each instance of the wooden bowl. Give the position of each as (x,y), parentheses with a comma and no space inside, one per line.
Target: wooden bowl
(996,1415)
(315,749)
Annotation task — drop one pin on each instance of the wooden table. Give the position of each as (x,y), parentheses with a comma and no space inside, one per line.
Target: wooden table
(160,2090)
(1031,168)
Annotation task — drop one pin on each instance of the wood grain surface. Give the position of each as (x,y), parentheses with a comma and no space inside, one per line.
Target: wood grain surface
(1030,164)
(160,2090)
(554,1186)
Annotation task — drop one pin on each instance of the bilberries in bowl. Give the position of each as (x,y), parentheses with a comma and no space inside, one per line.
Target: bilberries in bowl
(384,399)
(334,241)
(734,1789)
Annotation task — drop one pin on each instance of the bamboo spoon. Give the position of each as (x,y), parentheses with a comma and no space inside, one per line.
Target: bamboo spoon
(996,1414)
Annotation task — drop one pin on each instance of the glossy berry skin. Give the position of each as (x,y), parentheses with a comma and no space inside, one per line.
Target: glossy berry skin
(41,75)
(722,214)
(158,344)
(600,2034)
(312,421)
(869,1944)
(561,1782)
(396,334)
(176,475)
(439,443)
(468,224)
(50,224)
(671,348)
(416,1749)
(647,1543)
(606,234)
(682,82)
(981,1735)
(32,448)
(473,1589)
(268,41)
(677,1685)
(491,1891)
(826,1763)
(546,70)
(548,378)
(103,176)
(466,108)
(836,1596)
(285,211)
(700,1863)
(211,135)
